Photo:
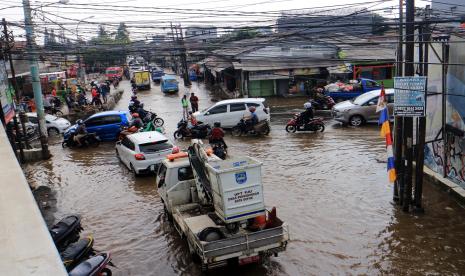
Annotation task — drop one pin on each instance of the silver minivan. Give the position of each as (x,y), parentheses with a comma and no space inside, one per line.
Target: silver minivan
(362,109)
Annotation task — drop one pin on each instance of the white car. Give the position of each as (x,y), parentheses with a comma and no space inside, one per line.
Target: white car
(142,152)
(55,125)
(230,112)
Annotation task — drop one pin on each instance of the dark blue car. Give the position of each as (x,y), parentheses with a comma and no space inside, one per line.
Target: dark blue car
(107,124)
(157,74)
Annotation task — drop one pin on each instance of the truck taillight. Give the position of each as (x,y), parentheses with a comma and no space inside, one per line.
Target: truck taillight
(139,156)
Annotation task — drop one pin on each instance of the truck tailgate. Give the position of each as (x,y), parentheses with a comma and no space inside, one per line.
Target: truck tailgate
(246,242)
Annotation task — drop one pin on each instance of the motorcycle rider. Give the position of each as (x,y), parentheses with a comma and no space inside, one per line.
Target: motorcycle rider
(136,121)
(81,131)
(134,126)
(217,135)
(134,104)
(192,120)
(252,119)
(307,115)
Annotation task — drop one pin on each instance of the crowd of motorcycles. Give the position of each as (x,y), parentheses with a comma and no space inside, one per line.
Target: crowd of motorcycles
(78,255)
(151,122)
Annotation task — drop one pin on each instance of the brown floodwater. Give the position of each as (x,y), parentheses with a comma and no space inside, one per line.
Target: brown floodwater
(331,188)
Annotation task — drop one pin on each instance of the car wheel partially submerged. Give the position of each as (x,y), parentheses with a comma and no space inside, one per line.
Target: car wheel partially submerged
(356,120)
(133,170)
(53,131)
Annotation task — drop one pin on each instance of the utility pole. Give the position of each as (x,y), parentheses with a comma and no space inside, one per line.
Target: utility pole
(22,117)
(425,37)
(398,122)
(187,81)
(408,121)
(35,77)
(173,54)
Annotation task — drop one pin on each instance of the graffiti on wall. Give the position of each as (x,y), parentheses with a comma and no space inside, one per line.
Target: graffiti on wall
(447,156)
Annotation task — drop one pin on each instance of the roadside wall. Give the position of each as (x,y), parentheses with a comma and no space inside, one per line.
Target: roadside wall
(27,247)
(446,156)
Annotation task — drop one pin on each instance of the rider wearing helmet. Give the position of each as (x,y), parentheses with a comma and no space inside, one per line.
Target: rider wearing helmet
(134,104)
(307,115)
(136,121)
(217,135)
(81,131)
(252,119)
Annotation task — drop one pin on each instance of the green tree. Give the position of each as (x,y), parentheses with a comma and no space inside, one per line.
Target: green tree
(102,33)
(122,34)
(379,25)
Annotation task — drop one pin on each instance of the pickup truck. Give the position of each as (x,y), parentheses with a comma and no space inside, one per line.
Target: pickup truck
(362,86)
(217,206)
(142,80)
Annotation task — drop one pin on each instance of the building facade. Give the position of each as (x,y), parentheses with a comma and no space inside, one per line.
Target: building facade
(201,34)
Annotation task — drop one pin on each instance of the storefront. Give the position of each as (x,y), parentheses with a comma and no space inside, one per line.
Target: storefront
(265,83)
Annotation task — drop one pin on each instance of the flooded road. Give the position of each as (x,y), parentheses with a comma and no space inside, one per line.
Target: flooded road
(331,188)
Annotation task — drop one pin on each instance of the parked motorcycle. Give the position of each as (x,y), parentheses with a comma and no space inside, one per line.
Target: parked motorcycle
(261,128)
(200,131)
(296,124)
(76,252)
(152,117)
(95,266)
(89,140)
(66,231)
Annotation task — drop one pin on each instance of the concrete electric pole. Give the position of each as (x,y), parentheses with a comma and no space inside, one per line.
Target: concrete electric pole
(34,67)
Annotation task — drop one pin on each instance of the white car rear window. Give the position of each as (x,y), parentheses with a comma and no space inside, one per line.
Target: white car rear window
(155,146)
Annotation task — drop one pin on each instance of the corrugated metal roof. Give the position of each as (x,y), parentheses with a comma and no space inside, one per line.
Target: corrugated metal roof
(275,64)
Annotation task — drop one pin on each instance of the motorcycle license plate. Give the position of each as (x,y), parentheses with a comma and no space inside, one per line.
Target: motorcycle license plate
(152,168)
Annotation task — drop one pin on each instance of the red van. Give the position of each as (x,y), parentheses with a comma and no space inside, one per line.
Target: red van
(112,72)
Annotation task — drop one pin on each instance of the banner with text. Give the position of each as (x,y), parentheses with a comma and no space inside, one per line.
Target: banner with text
(6,94)
(409,96)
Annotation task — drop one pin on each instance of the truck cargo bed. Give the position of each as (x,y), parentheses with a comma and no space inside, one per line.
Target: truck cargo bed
(244,242)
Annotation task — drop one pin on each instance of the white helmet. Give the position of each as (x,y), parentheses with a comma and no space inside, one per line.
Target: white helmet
(307,105)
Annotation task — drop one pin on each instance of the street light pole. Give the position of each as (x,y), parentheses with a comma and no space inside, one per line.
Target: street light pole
(80,73)
(36,88)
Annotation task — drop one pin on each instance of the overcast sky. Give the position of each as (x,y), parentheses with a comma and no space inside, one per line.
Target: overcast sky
(147,17)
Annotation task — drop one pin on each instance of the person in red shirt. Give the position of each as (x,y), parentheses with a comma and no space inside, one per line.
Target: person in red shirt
(194,102)
(192,119)
(95,96)
(54,92)
(217,135)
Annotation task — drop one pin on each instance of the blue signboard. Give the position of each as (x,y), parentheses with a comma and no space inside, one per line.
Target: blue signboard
(409,96)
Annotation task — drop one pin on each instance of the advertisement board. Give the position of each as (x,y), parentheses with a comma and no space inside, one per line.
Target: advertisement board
(409,96)
(6,94)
